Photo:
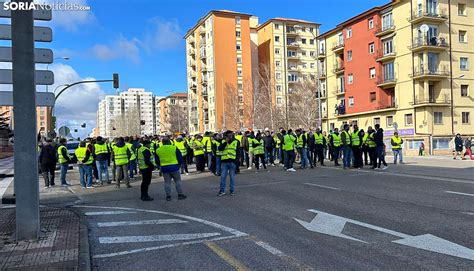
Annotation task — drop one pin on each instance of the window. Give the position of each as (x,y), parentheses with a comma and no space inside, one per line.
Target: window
(351,101)
(387,21)
(277,26)
(278,75)
(461,9)
(388,47)
(239,72)
(305,65)
(291,53)
(462,36)
(237,34)
(438,117)
(371,48)
(277,38)
(312,53)
(303,41)
(349,32)
(237,20)
(239,60)
(311,29)
(277,51)
(278,87)
(389,121)
(238,47)
(376,121)
(463,63)
(441,143)
(312,65)
(311,41)
(279,100)
(465,118)
(303,53)
(408,119)
(464,90)
(372,73)
(240,86)
(350,78)
(241,99)
(373,97)
(371,23)
(349,55)
(415,144)
(303,29)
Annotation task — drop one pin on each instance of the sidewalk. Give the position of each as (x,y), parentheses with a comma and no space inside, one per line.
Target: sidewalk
(63,242)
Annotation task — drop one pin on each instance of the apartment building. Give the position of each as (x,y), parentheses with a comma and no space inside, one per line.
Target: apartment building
(219,51)
(44,120)
(109,109)
(173,113)
(287,53)
(405,66)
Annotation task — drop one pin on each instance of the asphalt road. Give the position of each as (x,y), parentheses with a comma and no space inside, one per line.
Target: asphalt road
(409,217)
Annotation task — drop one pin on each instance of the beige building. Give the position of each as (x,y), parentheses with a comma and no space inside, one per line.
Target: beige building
(44,120)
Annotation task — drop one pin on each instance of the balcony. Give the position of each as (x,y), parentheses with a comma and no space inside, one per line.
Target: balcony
(321,54)
(432,44)
(431,101)
(293,45)
(193,87)
(294,68)
(322,76)
(386,82)
(433,73)
(382,56)
(204,81)
(337,46)
(385,106)
(291,31)
(191,40)
(202,55)
(339,69)
(202,30)
(192,63)
(205,104)
(293,81)
(194,120)
(192,74)
(385,30)
(428,16)
(293,57)
(340,110)
(339,91)
(323,95)
(191,52)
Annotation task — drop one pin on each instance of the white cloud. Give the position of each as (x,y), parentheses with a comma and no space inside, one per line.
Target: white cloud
(121,48)
(70,20)
(162,35)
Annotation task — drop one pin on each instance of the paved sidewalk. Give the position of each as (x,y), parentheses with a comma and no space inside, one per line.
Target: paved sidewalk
(58,248)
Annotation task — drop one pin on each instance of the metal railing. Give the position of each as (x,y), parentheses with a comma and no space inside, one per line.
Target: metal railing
(438,14)
(433,41)
(381,54)
(383,28)
(433,71)
(443,100)
(337,45)
(391,78)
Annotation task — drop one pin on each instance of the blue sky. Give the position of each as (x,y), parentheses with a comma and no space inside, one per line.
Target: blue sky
(142,40)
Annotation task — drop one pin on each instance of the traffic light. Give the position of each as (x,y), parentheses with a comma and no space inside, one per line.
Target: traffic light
(116,80)
(83,125)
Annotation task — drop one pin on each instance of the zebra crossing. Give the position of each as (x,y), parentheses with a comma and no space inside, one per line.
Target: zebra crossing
(6,174)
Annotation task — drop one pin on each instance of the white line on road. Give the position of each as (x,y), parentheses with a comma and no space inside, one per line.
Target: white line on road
(459,193)
(269,248)
(108,213)
(467,213)
(155,238)
(322,186)
(140,222)
(4,184)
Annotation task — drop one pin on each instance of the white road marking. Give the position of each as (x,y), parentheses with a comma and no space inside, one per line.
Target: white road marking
(333,225)
(459,193)
(140,222)
(4,184)
(108,213)
(467,213)
(322,186)
(270,249)
(155,238)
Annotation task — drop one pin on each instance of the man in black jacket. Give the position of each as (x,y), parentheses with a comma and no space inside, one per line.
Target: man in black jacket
(458,146)
(378,138)
(269,143)
(47,161)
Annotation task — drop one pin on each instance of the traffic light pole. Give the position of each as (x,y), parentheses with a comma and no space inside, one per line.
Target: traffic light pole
(77,83)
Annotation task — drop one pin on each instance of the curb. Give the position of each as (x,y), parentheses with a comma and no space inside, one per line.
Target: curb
(84,249)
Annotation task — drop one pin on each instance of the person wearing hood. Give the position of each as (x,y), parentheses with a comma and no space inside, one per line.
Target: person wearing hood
(182,146)
(146,166)
(458,146)
(378,138)
(101,156)
(47,162)
(121,157)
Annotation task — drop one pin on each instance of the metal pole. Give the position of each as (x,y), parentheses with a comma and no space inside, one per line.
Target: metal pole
(24,107)
(179,119)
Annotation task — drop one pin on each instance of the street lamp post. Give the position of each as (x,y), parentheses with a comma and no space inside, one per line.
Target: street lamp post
(47,65)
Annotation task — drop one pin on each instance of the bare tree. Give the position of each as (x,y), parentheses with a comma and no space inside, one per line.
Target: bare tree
(303,105)
(128,123)
(177,117)
(232,110)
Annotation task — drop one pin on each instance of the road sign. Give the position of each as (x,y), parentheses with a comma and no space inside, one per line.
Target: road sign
(40,33)
(44,56)
(64,131)
(38,14)
(42,98)
(41,77)
(333,225)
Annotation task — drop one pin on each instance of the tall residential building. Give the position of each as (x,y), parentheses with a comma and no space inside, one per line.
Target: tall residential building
(405,66)
(44,121)
(287,53)
(173,113)
(219,51)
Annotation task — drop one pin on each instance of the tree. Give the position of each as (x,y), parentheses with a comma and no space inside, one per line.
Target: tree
(302,105)
(127,123)
(177,117)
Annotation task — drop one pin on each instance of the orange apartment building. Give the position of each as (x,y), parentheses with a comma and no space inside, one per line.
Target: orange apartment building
(43,118)
(221,52)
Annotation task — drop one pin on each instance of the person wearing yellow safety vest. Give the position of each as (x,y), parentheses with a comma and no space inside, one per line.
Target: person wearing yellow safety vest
(145,165)
(207,142)
(84,160)
(239,137)
(372,147)
(259,151)
(217,143)
(335,143)
(121,157)
(302,147)
(319,143)
(365,147)
(356,143)
(169,160)
(397,143)
(101,156)
(132,164)
(182,146)
(289,149)
(198,150)
(250,139)
(229,161)
(346,147)
(64,159)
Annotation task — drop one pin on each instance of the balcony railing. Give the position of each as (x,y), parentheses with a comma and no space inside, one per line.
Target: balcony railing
(385,56)
(338,46)
(387,81)
(438,101)
(434,72)
(385,29)
(339,91)
(339,68)
(321,53)
(431,43)
(293,44)
(382,105)
(420,15)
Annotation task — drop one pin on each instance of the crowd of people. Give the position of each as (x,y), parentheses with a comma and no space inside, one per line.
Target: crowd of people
(221,154)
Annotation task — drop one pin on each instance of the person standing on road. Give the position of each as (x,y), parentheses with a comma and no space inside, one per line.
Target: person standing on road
(183,148)
(378,138)
(468,145)
(64,161)
(217,143)
(319,143)
(397,143)
(132,164)
(101,155)
(289,149)
(335,145)
(356,142)
(169,160)
(121,157)
(259,152)
(458,146)
(301,146)
(269,143)
(365,147)
(230,156)
(198,149)
(146,167)
(346,147)
(84,160)
(47,161)
(372,147)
